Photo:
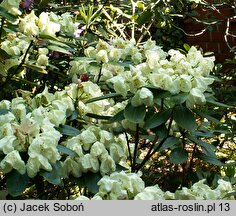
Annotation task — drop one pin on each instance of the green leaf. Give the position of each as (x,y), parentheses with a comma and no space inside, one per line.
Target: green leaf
(135,114)
(58,43)
(16,183)
(3,55)
(187,47)
(72,115)
(67,151)
(90,181)
(58,49)
(170,142)
(118,130)
(117,117)
(230,194)
(145,17)
(184,118)
(4,111)
(157,119)
(218,104)
(162,132)
(36,68)
(203,133)
(178,156)
(208,148)
(204,115)
(68,130)
(179,99)
(92,115)
(55,176)
(209,159)
(4,13)
(107,96)
(46,36)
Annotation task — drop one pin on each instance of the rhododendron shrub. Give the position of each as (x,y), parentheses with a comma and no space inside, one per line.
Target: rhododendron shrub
(86,127)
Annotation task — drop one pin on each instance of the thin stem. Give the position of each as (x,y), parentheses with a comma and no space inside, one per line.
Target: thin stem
(145,32)
(184,176)
(129,150)
(1,28)
(99,75)
(133,21)
(162,104)
(135,147)
(192,157)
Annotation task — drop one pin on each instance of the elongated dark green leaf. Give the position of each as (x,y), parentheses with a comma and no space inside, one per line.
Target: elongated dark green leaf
(55,176)
(178,156)
(35,68)
(209,159)
(170,142)
(90,181)
(184,118)
(4,111)
(91,115)
(118,117)
(4,13)
(16,183)
(157,119)
(67,151)
(107,96)
(46,36)
(58,49)
(204,115)
(218,104)
(208,148)
(58,43)
(68,130)
(230,194)
(135,114)
(203,133)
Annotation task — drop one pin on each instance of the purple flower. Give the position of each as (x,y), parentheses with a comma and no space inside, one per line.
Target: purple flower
(27,4)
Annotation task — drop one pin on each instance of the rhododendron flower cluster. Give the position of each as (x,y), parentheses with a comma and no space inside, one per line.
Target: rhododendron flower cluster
(97,151)
(172,71)
(35,132)
(123,185)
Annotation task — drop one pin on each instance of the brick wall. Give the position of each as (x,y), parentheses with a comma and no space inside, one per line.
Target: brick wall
(213,38)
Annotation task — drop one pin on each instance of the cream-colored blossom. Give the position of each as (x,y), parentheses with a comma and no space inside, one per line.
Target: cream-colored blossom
(143,96)
(13,161)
